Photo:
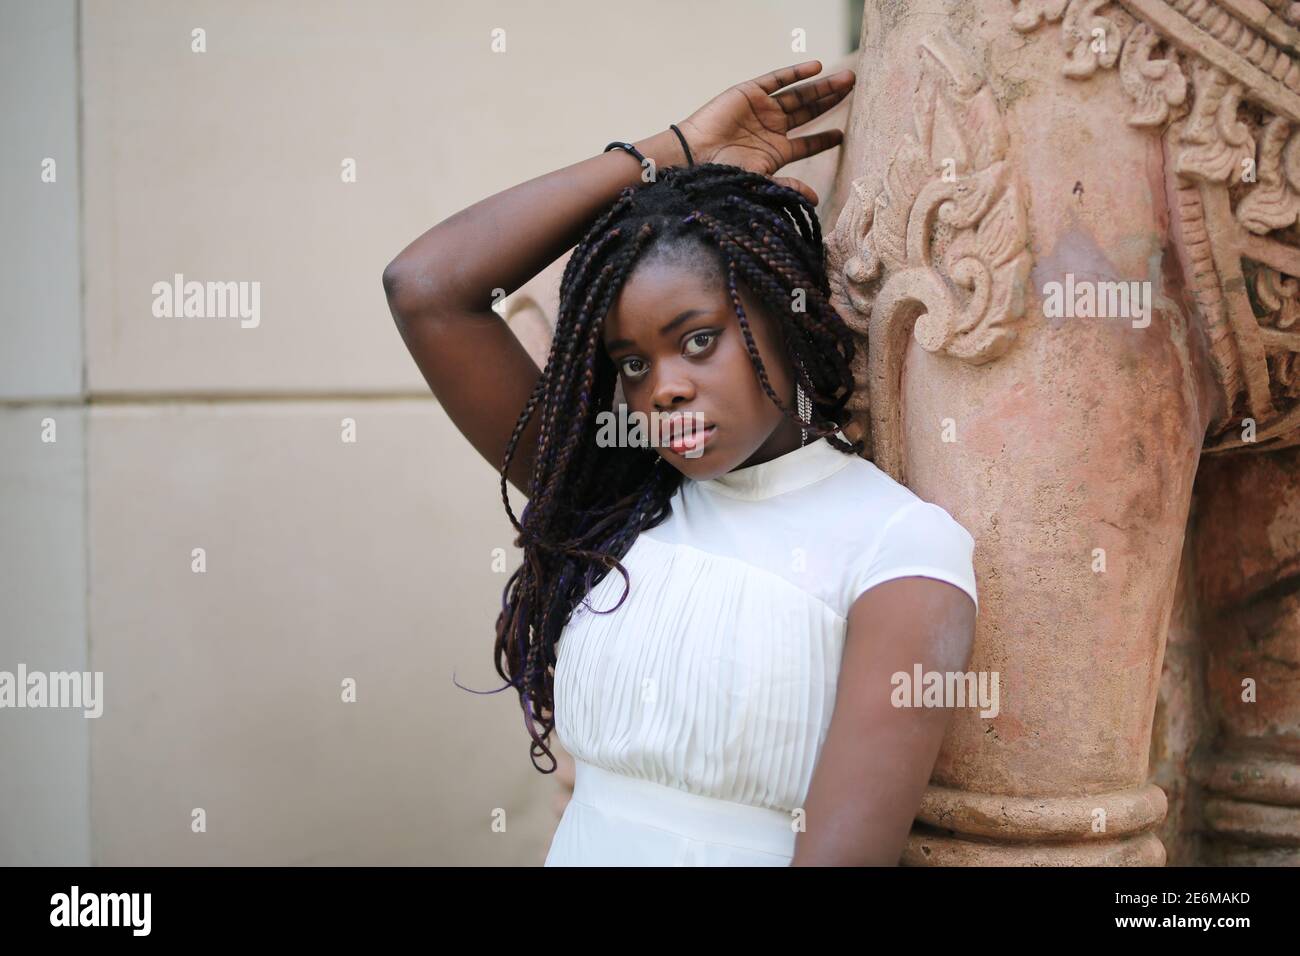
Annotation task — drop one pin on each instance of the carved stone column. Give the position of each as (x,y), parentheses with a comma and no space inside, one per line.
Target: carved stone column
(994,159)
(983,173)
(1248,568)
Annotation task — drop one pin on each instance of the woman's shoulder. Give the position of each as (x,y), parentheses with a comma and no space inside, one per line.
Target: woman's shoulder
(897,533)
(870,497)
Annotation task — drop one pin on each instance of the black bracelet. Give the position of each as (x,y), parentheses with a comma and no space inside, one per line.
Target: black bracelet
(690,161)
(632,150)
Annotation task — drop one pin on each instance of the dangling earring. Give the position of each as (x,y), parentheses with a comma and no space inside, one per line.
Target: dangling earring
(805,411)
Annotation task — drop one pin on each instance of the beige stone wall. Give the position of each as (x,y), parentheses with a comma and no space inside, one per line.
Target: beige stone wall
(44,784)
(325,559)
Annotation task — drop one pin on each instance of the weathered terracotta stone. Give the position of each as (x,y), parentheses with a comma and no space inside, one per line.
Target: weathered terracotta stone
(991,155)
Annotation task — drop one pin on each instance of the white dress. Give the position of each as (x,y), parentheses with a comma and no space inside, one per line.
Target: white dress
(696,711)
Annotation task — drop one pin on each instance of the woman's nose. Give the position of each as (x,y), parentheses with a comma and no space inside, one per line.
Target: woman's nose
(671,390)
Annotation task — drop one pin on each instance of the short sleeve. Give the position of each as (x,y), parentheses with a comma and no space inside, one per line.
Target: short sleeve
(919,540)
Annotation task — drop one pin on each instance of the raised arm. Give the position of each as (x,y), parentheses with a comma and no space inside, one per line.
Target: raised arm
(440,288)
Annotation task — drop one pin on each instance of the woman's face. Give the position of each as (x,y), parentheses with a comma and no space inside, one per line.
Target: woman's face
(676,342)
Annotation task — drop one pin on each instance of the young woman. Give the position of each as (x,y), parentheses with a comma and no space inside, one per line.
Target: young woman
(728,694)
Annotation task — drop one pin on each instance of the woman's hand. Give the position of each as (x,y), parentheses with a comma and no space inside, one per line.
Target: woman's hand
(746,125)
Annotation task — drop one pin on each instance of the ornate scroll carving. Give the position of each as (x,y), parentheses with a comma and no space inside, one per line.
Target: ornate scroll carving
(1274,203)
(1216,145)
(1234,167)
(1154,85)
(938,249)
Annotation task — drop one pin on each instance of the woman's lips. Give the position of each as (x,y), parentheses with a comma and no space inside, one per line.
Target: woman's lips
(691,444)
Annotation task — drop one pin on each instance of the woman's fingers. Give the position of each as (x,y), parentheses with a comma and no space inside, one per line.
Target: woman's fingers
(798,185)
(837,85)
(814,109)
(804,146)
(771,82)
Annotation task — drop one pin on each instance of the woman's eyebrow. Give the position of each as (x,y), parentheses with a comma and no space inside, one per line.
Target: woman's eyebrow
(683,317)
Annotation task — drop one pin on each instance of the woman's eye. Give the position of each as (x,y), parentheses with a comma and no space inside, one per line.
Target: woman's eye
(694,339)
(629,370)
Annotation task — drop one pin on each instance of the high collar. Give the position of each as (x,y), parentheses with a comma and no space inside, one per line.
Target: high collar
(787,472)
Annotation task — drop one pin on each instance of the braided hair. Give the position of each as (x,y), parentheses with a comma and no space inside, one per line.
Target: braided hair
(587,504)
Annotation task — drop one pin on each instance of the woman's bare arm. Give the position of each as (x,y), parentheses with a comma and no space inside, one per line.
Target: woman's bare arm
(440,287)
(877,758)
